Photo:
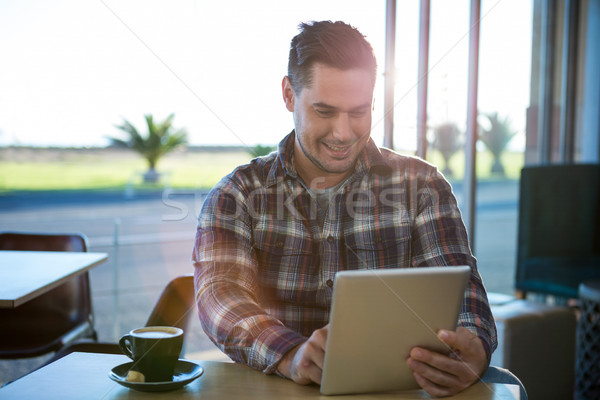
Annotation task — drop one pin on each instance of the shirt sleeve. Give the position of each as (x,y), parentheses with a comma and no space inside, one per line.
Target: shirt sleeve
(225,270)
(439,239)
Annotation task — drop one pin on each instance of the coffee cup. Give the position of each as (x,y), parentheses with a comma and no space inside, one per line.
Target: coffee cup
(154,350)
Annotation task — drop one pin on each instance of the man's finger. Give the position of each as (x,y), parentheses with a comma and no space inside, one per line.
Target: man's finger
(320,336)
(432,388)
(315,374)
(436,360)
(431,373)
(459,341)
(315,354)
(316,346)
(437,382)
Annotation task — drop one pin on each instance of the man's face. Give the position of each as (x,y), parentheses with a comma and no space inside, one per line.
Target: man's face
(332,121)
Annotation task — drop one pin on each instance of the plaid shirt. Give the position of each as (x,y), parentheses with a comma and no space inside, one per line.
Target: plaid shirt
(264,266)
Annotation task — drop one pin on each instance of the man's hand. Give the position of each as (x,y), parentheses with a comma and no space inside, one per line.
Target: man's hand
(442,375)
(304,364)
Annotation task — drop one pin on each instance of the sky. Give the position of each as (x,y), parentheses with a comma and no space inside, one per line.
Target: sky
(72,70)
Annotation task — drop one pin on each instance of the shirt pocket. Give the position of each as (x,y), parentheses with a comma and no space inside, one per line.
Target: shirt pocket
(387,248)
(287,266)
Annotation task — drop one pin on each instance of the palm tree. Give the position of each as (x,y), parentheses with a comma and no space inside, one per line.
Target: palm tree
(161,139)
(496,138)
(447,142)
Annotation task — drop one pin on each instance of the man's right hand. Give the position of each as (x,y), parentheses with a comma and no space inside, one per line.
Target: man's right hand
(304,363)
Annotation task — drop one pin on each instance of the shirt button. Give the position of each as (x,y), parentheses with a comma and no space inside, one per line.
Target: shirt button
(329,283)
(279,245)
(330,239)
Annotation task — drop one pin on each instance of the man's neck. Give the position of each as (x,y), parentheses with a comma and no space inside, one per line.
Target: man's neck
(313,176)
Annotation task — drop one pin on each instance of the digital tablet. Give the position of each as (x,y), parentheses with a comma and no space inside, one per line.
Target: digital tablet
(378,316)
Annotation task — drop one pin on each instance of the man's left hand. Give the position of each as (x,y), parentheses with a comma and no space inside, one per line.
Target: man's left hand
(444,375)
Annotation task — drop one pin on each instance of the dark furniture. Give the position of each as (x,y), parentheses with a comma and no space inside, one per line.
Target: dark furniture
(559,229)
(587,378)
(558,248)
(53,320)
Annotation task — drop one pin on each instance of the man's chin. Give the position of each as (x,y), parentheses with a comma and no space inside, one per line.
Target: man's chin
(337,169)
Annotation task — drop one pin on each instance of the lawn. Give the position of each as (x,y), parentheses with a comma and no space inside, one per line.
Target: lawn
(512,161)
(32,169)
(69,169)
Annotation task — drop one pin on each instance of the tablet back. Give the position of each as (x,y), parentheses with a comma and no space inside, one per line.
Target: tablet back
(378,316)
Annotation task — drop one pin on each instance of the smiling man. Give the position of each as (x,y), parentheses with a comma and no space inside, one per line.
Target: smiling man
(272,234)
(332,119)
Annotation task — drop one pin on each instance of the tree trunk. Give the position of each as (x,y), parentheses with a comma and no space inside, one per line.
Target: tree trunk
(497,167)
(151,176)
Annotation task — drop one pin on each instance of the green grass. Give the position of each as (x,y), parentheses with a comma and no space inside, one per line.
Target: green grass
(77,169)
(512,161)
(99,169)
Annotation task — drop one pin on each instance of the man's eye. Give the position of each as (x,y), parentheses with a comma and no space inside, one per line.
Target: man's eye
(358,114)
(324,113)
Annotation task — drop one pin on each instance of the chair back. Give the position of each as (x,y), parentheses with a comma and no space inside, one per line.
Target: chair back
(173,308)
(175,304)
(559,228)
(51,321)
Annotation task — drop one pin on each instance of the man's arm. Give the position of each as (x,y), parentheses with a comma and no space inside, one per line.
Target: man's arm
(225,277)
(440,238)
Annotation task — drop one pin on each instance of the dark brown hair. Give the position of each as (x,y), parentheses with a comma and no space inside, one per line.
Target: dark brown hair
(335,44)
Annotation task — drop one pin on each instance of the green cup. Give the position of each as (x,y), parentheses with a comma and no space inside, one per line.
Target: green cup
(154,351)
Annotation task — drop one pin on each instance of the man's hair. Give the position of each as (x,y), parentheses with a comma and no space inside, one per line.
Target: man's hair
(335,44)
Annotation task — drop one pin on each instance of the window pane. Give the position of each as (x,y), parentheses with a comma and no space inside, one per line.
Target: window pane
(504,86)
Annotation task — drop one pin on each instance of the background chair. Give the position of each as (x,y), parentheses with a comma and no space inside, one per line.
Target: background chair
(53,320)
(173,308)
(175,304)
(559,229)
(558,248)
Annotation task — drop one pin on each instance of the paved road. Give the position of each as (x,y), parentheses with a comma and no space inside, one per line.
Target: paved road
(149,238)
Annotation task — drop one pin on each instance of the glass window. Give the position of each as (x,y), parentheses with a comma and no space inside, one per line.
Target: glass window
(503,98)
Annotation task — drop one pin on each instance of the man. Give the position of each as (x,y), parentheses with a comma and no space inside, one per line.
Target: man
(273,233)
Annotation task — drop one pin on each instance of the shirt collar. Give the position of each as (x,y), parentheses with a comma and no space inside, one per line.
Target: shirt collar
(370,160)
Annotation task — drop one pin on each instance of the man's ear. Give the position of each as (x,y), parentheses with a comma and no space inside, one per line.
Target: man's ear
(288,94)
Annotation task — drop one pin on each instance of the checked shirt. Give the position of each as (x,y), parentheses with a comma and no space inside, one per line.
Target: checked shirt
(266,253)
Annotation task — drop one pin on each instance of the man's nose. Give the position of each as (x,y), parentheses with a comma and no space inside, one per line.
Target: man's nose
(342,128)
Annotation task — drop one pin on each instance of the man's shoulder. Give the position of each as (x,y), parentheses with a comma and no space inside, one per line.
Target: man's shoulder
(406,163)
(251,175)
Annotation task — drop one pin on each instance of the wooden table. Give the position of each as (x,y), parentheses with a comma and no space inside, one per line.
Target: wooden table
(25,275)
(85,376)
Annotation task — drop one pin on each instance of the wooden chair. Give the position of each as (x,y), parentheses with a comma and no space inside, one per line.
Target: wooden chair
(173,308)
(175,304)
(55,319)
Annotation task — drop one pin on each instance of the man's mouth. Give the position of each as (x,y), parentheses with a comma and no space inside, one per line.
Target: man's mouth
(337,149)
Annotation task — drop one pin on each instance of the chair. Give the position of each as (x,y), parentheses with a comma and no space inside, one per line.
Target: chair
(559,229)
(53,320)
(558,248)
(173,308)
(175,304)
